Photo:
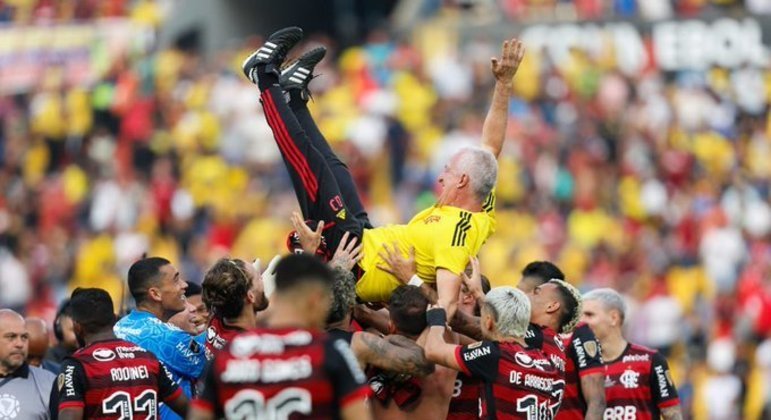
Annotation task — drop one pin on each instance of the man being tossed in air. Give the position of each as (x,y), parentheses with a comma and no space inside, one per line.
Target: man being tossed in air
(444,236)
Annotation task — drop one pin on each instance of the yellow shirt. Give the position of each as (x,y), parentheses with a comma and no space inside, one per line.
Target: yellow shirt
(443,237)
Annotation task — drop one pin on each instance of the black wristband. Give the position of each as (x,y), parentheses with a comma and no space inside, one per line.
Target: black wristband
(436,317)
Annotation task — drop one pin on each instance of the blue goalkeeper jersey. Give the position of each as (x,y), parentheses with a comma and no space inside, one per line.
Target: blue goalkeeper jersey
(181,353)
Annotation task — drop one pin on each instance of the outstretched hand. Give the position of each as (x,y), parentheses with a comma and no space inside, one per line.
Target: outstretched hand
(309,239)
(347,253)
(395,263)
(506,67)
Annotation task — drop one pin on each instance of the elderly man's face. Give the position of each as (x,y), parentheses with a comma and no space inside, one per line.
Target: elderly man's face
(14,342)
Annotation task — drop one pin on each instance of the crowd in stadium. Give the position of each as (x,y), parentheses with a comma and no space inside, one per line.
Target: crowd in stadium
(653,185)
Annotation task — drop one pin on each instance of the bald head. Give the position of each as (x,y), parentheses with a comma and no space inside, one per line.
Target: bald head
(38,340)
(13,341)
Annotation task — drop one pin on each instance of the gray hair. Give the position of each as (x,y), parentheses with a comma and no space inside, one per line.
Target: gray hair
(481,167)
(511,310)
(610,299)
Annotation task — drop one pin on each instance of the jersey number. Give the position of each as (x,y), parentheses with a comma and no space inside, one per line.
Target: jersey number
(121,403)
(457,389)
(250,404)
(543,411)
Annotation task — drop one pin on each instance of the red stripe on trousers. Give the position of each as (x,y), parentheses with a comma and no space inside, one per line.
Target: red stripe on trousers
(302,158)
(290,153)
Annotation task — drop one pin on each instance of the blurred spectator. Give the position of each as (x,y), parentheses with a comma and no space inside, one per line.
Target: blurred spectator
(39,339)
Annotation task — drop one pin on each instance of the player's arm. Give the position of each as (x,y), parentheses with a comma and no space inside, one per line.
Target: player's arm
(593,388)
(504,69)
(448,288)
(203,406)
(349,383)
(437,349)
(664,390)
(466,324)
(591,369)
(393,353)
(374,319)
(71,396)
(170,393)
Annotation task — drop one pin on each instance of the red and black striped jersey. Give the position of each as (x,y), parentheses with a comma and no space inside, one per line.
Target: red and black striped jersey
(517,382)
(638,385)
(584,357)
(464,404)
(114,379)
(218,334)
(547,340)
(282,373)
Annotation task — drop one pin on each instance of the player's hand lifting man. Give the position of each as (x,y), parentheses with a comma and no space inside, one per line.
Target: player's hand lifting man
(506,67)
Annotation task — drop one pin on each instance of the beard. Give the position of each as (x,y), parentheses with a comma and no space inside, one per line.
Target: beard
(261,303)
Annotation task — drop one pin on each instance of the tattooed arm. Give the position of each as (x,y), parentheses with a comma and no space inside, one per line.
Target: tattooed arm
(393,353)
(468,325)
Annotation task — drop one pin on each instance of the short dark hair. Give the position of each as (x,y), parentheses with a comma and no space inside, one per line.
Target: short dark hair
(407,307)
(298,269)
(193,289)
(543,271)
(343,295)
(143,274)
(92,308)
(225,286)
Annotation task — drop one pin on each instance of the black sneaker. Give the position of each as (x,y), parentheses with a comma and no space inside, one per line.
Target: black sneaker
(299,73)
(273,52)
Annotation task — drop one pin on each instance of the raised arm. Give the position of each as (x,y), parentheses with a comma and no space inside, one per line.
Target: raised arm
(504,69)
(437,349)
(393,353)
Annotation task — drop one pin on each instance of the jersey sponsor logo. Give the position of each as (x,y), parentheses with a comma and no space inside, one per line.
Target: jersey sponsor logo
(476,353)
(578,346)
(10,407)
(558,362)
(336,203)
(67,381)
(629,379)
(432,219)
(214,339)
(129,373)
(525,360)
(530,333)
(621,412)
(663,380)
(128,352)
(103,355)
(246,346)
(591,348)
(635,358)
(461,229)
